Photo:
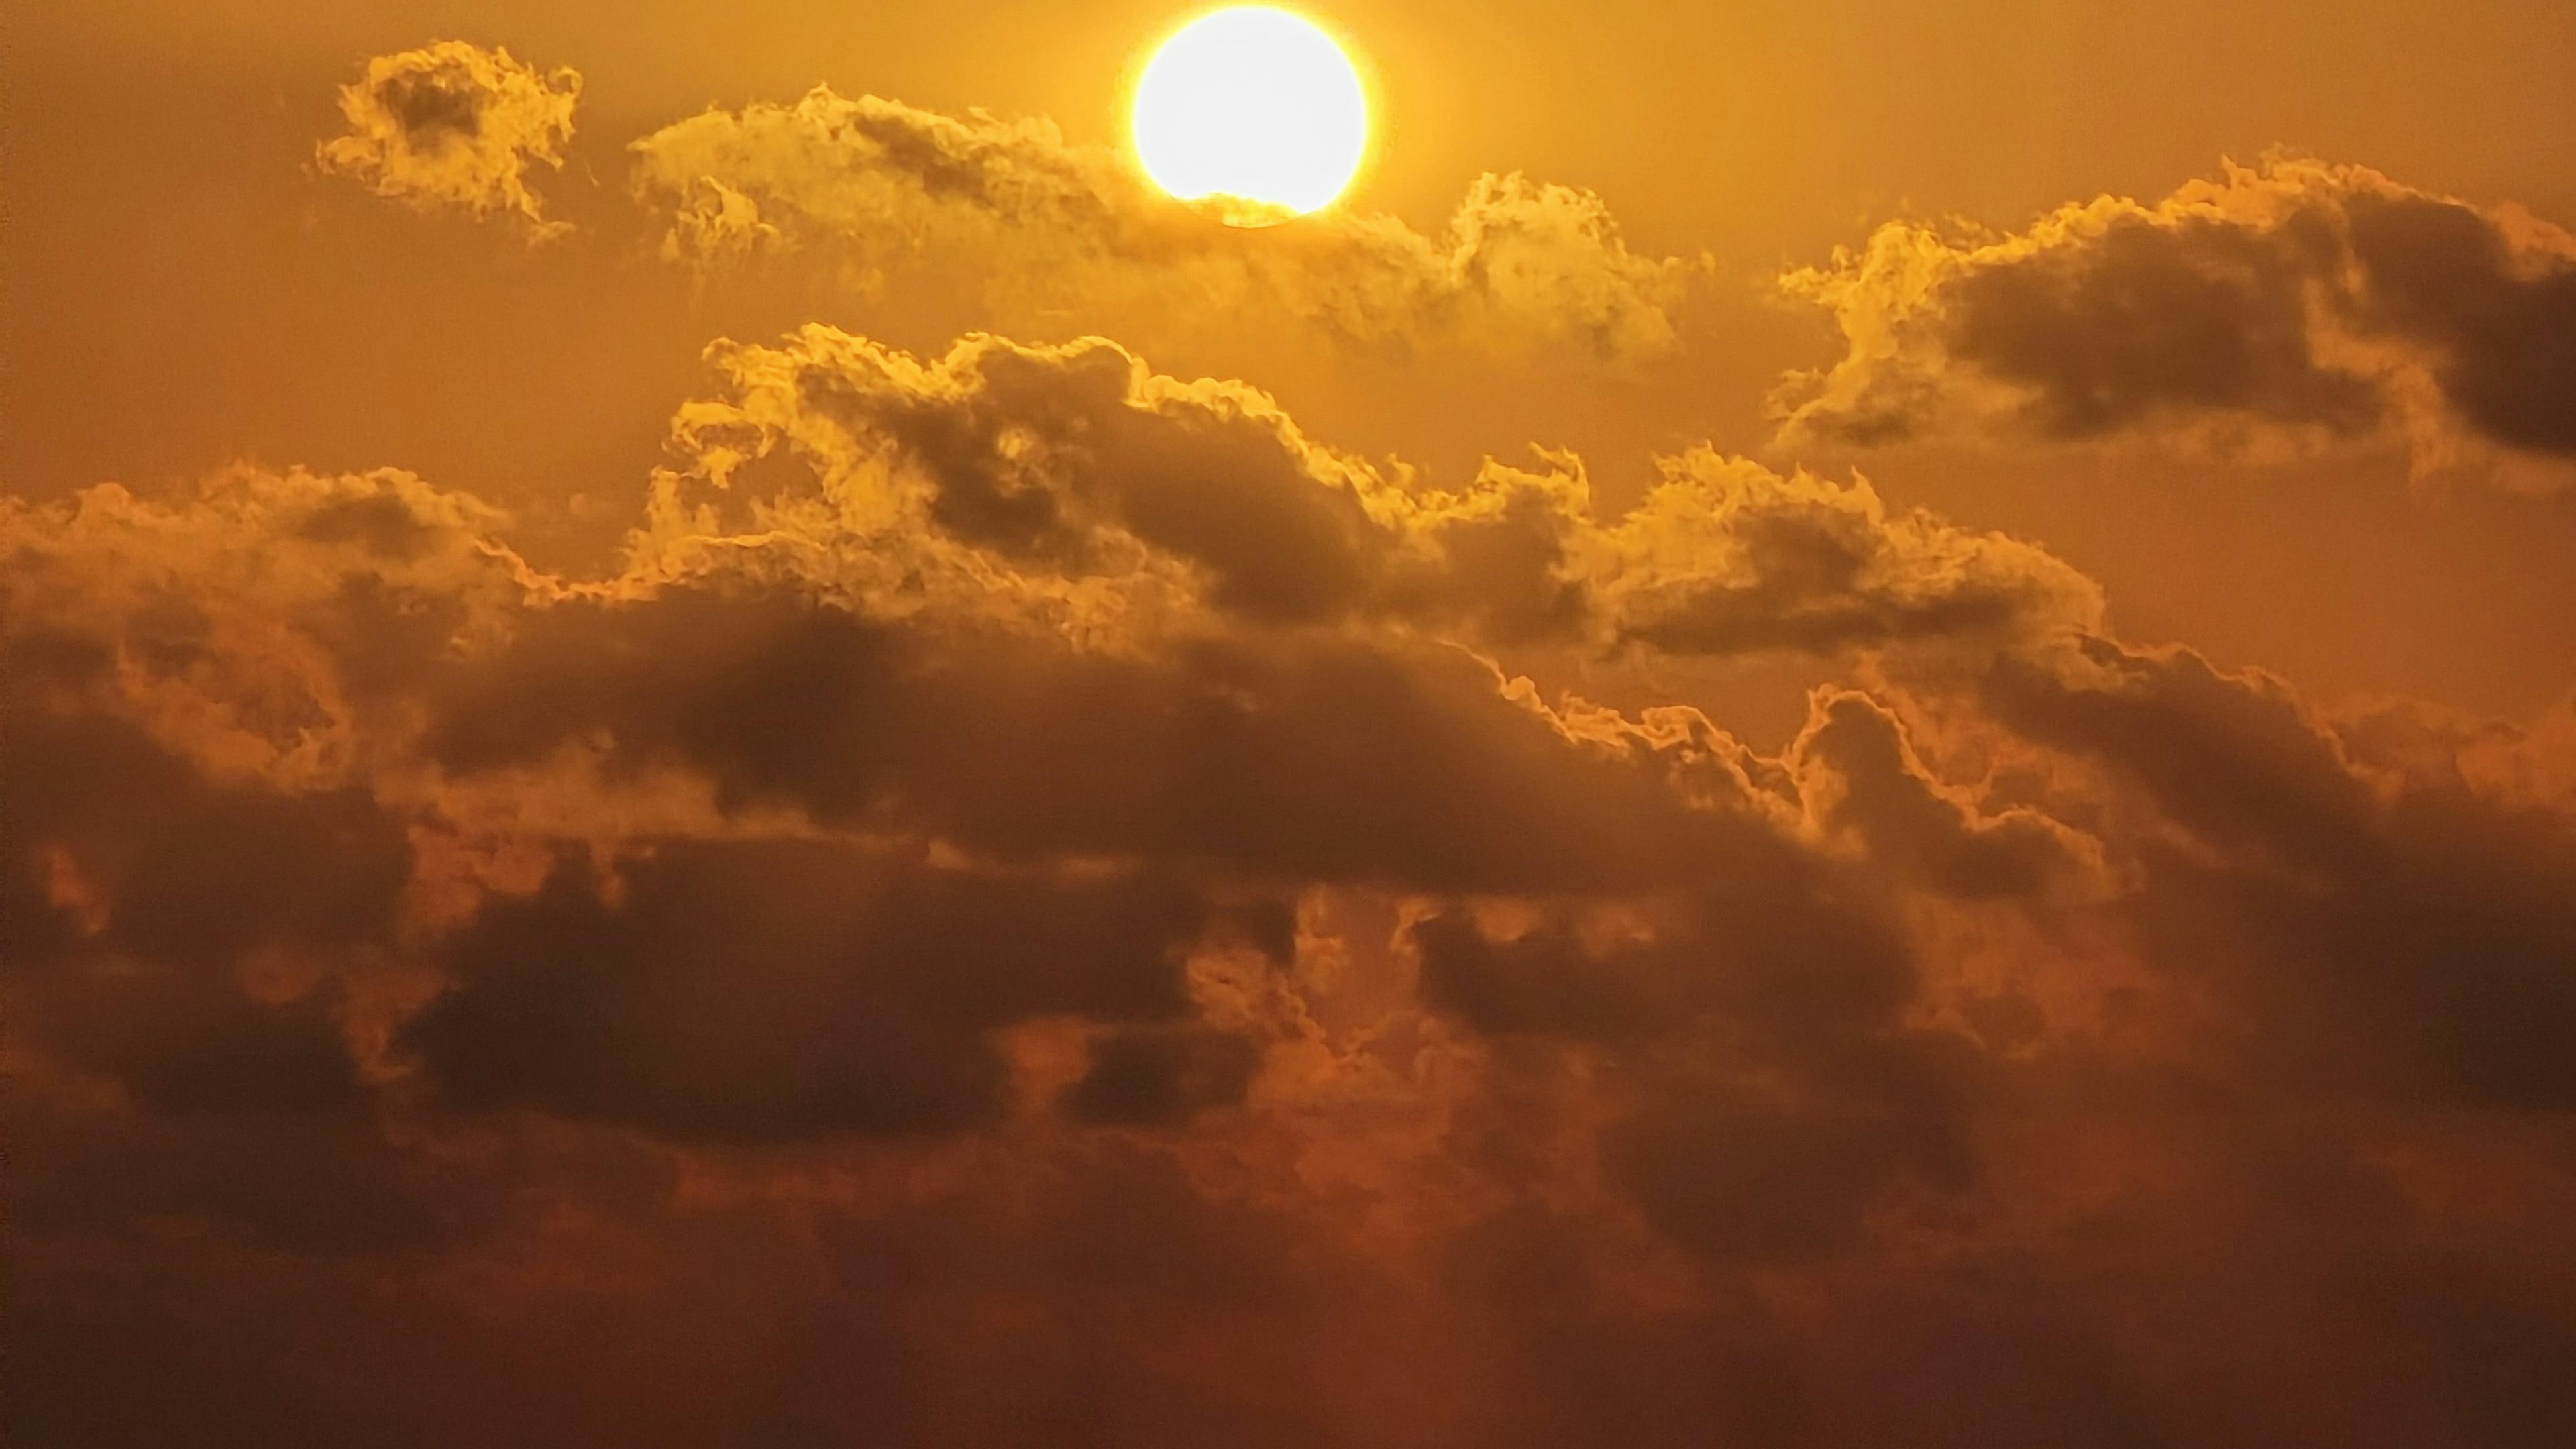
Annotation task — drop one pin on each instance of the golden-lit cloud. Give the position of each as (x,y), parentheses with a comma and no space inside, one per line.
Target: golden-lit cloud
(889,189)
(1073,481)
(2297,304)
(453,125)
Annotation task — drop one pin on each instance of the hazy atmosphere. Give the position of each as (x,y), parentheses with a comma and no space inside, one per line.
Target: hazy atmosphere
(1381,725)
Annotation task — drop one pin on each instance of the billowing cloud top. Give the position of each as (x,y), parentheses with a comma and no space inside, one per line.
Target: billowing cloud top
(1002,475)
(1521,261)
(2301,301)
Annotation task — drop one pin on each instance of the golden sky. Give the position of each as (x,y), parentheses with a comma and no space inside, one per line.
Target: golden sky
(1830,725)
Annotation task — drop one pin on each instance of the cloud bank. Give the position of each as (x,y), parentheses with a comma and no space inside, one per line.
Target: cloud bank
(956,894)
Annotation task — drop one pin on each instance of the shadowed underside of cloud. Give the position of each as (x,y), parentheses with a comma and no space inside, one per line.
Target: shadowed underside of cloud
(2394,929)
(1031,862)
(2291,305)
(890,187)
(453,125)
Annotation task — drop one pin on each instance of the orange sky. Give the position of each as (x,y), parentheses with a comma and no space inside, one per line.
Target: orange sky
(1833,725)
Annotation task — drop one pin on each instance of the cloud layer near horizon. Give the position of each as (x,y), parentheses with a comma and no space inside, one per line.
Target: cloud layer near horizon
(943,898)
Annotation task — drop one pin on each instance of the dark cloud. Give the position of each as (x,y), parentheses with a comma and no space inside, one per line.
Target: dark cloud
(184,1043)
(1300,761)
(764,989)
(183,869)
(1770,1171)
(1148,1076)
(2494,299)
(145,902)
(2388,931)
(1780,1092)
(2152,321)
(2299,301)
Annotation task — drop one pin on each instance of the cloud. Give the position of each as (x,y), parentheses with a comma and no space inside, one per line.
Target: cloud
(1075,483)
(1288,759)
(893,189)
(2296,304)
(952,893)
(1860,776)
(453,125)
(759,989)
(1152,1076)
(2384,928)
(1726,557)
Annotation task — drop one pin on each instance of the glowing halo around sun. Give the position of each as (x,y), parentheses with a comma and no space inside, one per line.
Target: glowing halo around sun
(1251,105)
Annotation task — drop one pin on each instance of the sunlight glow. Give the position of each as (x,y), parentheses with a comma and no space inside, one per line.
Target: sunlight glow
(1255,104)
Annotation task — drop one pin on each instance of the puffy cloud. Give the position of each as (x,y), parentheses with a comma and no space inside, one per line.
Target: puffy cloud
(455,125)
(1074,483)
(1067,463)
(888,186)
(1726,557)
(2296,303)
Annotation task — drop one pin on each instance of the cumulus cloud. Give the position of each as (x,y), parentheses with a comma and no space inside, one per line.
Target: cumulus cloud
(2295,304)
(1725,556)
(954,893)
(1073,481)
(453,125)
(889,188)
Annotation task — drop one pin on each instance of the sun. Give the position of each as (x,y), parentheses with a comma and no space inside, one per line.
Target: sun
(1251,104)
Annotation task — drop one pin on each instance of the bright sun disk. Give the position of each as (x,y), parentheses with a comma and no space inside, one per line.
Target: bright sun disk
(1251,103)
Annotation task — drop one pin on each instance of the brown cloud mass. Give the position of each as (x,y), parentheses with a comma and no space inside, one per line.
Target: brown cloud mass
(2298,302)
(950,898)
